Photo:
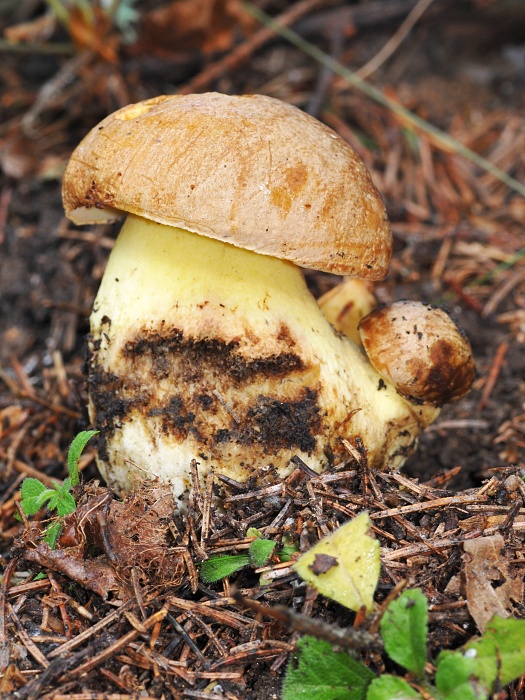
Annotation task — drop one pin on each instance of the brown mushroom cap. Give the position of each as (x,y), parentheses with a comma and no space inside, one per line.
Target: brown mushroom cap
(249,170)
(420,350)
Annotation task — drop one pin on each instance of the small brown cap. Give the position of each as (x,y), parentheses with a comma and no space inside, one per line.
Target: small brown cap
(249,170)
(420,350)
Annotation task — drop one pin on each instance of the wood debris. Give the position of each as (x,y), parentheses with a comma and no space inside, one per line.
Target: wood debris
(191,636)
(123,612)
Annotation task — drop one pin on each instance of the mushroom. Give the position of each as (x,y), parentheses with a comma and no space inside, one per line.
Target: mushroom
(205,341)
(346,304)
(419,349)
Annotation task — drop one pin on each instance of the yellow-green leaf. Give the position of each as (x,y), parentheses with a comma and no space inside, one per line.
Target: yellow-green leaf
(344,566)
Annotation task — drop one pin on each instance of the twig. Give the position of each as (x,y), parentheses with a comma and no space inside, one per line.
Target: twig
(395,40)
(226,405)
(65,648)
(308,605)
(345,637)
(253,651)
(137,591)
(429,505)
(226,617)
(240,54)
(4,588)
(26,639)
(206,509)
(118,645)
(500,294)
(28,470)
(423,547)
(440,138)
(5,200)
(54,88)
(465,297)
(60,602)
(493,374)
(211,635)
(196,492)
(187,639)
(324,79)
(505,265)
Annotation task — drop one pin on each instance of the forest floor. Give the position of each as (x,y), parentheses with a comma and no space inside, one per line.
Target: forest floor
(459,242)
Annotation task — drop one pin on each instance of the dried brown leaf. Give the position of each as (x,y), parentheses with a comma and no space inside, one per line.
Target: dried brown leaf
(489,586)
(130,535)
(94,574)
(184,25)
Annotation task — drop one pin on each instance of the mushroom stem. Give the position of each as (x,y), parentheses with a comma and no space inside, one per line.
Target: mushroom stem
(202,350)
(346,304)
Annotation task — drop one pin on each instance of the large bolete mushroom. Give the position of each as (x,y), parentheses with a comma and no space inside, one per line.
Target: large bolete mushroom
(205,341)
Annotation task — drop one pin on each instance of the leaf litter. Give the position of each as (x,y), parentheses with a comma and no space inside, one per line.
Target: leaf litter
(123,608)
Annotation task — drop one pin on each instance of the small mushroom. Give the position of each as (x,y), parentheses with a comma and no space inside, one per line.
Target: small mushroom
(205,341)
(419,349)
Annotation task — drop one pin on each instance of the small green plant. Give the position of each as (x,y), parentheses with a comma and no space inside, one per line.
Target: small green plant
(259,553)
(35,494)
(473,672)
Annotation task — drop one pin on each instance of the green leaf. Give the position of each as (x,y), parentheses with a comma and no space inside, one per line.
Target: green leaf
(260,551)
(500,653)
(404,629)
(66,505)
(53,533)
(287,552)
(253,532)
(75,450)
(215,568)
(390,688)
(344,565)
(456,677)
(317,672)
(32,488)
(58,494)
(61,500)
(34,495)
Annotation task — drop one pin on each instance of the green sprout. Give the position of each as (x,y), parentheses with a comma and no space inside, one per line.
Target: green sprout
(259,554)
(36,495)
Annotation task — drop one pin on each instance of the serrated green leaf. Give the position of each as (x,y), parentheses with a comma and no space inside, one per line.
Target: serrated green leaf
(390,688)
(66,505)
(75,450)
(53,533)
(404,628)
(32,488)
(34,495)
(500,653)
(352,578)
(216,568)
(57,496)
(456,677)
(316,671)
(260,551)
